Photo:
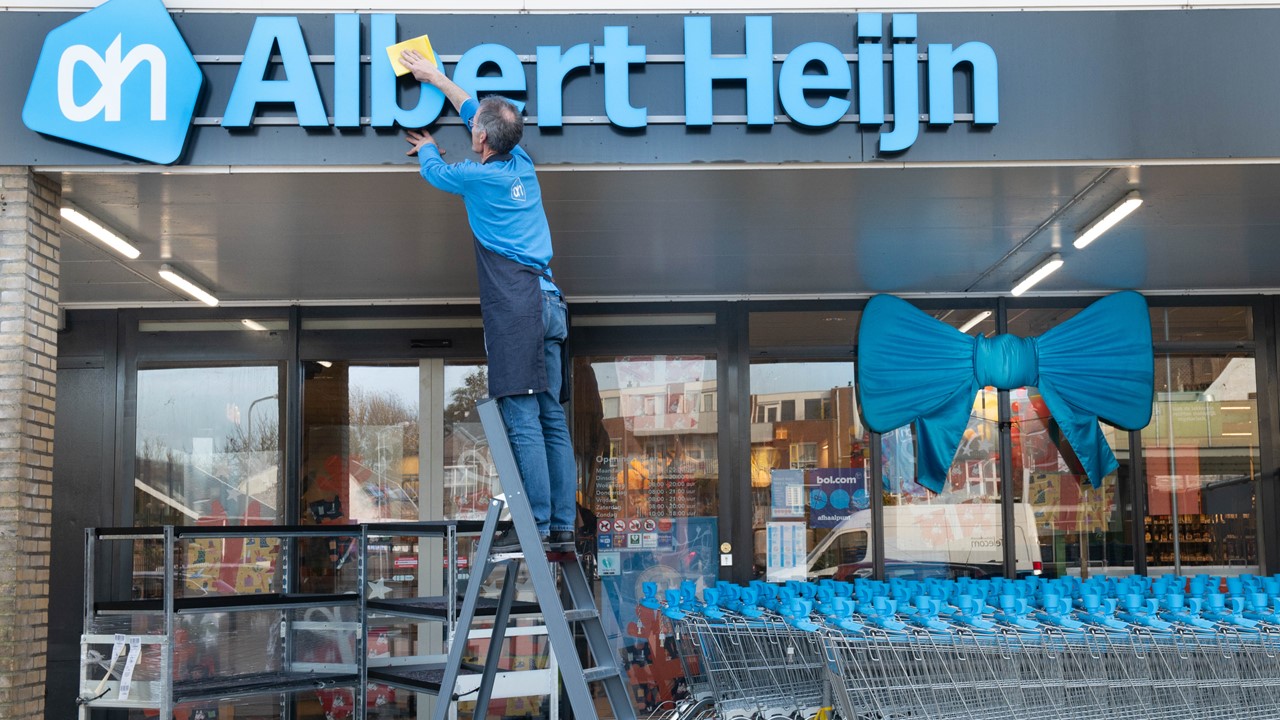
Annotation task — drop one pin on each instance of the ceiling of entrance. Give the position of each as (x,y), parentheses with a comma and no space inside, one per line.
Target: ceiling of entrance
(683,233)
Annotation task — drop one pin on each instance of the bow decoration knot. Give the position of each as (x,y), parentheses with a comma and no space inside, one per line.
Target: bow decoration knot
(1096,365)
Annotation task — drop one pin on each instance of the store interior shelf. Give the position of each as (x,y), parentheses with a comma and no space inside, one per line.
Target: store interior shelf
(418,678)
(259,684)
(227,531)
(270,531)
(438,607)
(230,603)
(429,528)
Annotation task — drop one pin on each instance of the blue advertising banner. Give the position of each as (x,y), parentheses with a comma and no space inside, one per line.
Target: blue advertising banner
(835,494)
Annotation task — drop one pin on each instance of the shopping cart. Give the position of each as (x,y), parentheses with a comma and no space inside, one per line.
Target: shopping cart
(1063,649)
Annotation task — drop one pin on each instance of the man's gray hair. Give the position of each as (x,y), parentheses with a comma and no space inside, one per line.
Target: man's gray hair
(501,122)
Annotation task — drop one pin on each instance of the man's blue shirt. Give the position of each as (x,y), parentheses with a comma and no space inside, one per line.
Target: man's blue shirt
(502,197)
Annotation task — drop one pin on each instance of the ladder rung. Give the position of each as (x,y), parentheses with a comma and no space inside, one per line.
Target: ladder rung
(602,672)
(580,615)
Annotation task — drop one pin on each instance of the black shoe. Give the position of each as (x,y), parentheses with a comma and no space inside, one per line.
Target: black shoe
(505,543)
(561,541)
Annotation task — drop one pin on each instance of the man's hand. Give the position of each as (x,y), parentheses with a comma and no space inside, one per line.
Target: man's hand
(423,69)
(419,138)
(426,71)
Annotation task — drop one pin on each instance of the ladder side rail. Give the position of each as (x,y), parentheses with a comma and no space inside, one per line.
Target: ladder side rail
(362,634)
(458,641)
(558,630)
(166,658)
(496,641)
(616,686)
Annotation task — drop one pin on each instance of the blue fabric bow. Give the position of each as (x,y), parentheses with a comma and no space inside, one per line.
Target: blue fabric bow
(915,369)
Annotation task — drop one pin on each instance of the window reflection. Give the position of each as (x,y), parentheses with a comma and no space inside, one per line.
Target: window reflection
(1201,452)
(208,446)
(646,434)
(470,478)
(1079,530)
(810,509)
(958,532)
(360,443)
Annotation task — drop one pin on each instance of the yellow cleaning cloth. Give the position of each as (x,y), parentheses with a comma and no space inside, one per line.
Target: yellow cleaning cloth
(421,44)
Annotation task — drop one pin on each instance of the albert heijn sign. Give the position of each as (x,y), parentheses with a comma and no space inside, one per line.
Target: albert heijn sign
(121,78)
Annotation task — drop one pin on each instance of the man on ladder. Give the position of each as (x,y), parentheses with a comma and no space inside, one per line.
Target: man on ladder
(525,323)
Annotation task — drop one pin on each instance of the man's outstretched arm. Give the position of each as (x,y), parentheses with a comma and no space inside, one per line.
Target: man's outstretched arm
(426,71)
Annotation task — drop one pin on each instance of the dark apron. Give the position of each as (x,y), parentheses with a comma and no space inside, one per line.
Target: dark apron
(511,305)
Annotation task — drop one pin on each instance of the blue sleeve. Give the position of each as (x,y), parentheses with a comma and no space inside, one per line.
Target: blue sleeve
(468,111)
(442,175)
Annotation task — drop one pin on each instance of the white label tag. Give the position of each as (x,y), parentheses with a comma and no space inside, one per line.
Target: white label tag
(126,677)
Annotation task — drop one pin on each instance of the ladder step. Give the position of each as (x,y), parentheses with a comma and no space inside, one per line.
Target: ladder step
(602,672)
(580,615)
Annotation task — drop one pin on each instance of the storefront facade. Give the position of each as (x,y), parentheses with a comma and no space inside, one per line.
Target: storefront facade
(726,190)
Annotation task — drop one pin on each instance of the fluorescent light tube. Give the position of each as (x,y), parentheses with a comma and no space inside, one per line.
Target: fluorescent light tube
(186,286)
(253,325)
(973,321)
(1108,220)
(324,363)
(99,231)
(1042,271)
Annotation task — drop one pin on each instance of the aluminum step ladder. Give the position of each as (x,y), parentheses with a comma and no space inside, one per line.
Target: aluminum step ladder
(606,668)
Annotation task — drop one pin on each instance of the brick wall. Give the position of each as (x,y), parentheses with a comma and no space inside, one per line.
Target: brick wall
(29,247)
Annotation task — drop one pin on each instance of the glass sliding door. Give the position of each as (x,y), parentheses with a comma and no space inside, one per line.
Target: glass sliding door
(360,440)
(1202,462)
(646,433)
(1201,449)
(401,441)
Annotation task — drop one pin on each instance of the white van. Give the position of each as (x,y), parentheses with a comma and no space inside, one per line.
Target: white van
(929,540)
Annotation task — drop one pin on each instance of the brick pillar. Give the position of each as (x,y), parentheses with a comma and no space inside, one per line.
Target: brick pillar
(30,237)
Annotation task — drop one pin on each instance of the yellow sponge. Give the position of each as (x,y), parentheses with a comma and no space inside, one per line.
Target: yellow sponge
(421,44)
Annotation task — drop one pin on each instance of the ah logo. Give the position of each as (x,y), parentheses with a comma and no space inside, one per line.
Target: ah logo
(118,78)
(517,191)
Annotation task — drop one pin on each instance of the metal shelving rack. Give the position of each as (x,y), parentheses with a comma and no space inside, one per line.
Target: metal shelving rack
(116,623)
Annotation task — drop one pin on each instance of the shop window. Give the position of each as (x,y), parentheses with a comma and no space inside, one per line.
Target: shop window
(808,474)
(650,501)
(207,452)
(470,477)
(360,442)
(1202,466)
(958,532)
(1073,528)
(847,549)
(208,446)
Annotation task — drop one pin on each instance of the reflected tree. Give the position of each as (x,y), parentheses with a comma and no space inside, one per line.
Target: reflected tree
(463,400)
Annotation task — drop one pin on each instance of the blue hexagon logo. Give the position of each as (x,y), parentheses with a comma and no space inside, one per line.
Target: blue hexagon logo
(120,78)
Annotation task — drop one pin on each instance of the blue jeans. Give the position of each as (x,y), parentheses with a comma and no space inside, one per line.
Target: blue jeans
(539,432)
